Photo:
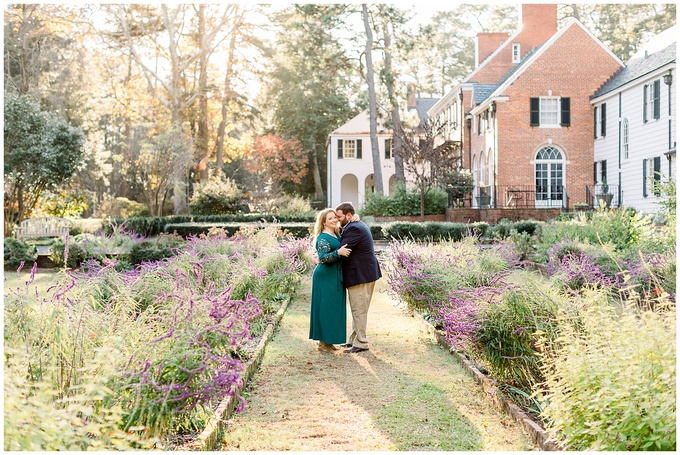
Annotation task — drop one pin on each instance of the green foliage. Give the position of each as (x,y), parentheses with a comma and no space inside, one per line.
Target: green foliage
(505,227)
(17,252)
(377,231)
(216,197)
(111,360)
(404,203)
(293,206)
(458,183)
(303,107)
(624,229)
(506,338)
(434,231)
(165,246)
(121,207)
(611,381)
(152,226)
(41,151)
(185,230)
(64,203)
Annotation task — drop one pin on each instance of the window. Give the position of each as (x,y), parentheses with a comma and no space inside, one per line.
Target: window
(651,101)
(656,181)
(349,148)
(651,176)
(549,176)
(626,139)
(600,119)
(515,53)
(550,112)
(389,148)
(603,120)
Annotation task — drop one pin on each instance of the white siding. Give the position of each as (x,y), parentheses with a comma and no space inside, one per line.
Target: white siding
(360,168)
(646,140)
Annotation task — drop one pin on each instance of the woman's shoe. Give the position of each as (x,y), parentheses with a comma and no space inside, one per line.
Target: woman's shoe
(326,347)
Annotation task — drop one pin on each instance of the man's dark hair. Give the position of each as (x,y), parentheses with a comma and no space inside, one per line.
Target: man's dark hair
(346,207)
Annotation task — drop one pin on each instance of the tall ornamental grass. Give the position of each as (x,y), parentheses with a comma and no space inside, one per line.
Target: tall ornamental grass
(120,360)
(585,340)
(610,380)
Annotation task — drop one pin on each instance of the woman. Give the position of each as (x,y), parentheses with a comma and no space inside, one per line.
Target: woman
(328,318)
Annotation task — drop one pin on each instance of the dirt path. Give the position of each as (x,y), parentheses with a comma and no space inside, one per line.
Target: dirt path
(405,393)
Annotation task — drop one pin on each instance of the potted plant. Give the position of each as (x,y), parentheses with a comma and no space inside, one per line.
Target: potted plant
(458,184)
(604,197)
(484,198)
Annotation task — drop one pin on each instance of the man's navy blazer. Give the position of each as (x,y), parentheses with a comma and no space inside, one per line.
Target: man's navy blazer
(361,266)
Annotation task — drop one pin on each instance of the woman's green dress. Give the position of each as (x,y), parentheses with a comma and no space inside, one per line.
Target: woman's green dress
(328,318)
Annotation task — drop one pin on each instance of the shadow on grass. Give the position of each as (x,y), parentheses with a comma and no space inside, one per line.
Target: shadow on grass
(414,415)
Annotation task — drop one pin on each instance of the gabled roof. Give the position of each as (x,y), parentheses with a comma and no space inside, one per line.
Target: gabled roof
(423,105)
(360,124)
(537,52)
(639,65)
(482,91)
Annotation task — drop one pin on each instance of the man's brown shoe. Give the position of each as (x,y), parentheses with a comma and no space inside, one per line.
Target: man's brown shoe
(354,350)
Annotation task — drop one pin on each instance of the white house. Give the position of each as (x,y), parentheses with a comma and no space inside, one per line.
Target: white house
(635,131)
(350,161)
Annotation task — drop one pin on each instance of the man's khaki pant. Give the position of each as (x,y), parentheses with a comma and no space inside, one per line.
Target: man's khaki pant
(359,301)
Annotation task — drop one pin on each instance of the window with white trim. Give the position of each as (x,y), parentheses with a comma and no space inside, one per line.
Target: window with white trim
(600,119)
(515,53)
(349,148)
(550,111)
(389,148)
(651,101)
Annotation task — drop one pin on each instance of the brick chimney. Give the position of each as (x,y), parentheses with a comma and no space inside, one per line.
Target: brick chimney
(486,44)
(537,24)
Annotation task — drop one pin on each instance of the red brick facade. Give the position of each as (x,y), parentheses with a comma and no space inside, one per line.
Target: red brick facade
(573,65)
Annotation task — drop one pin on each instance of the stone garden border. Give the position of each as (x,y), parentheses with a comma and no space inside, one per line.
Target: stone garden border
(208,440)
(538,435)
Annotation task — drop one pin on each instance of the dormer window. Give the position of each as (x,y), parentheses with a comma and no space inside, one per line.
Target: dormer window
(515,53)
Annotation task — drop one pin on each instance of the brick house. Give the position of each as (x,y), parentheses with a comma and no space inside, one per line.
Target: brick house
(524,116)
(635,131)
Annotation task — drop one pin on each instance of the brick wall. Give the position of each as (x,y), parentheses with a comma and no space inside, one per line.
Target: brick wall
(574,66)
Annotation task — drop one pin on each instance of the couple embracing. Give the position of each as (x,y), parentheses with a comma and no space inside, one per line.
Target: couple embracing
(347,265)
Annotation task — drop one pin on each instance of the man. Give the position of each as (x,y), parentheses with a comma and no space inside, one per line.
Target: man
(360,271)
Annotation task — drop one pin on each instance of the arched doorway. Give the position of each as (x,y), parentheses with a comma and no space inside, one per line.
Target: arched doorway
(549,172)
(369,184)
(349,189)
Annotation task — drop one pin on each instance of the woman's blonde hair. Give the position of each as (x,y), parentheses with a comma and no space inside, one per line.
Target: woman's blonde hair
(321,220)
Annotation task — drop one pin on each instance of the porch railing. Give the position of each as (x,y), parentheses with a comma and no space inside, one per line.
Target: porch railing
(530,196)
(610,197)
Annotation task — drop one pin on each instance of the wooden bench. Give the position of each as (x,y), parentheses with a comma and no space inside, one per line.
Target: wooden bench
(47,226)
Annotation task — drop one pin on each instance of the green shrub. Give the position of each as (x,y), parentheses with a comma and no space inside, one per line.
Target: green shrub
(611,382)
(217,196)
(624,229)
(17,252)
(293,206)
(76,254)
(377,232)
(507,335)
(404,203)
(185,230)
(433,231)
(167,245)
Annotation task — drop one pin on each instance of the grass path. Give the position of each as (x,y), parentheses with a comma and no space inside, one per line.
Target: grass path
(406,393)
